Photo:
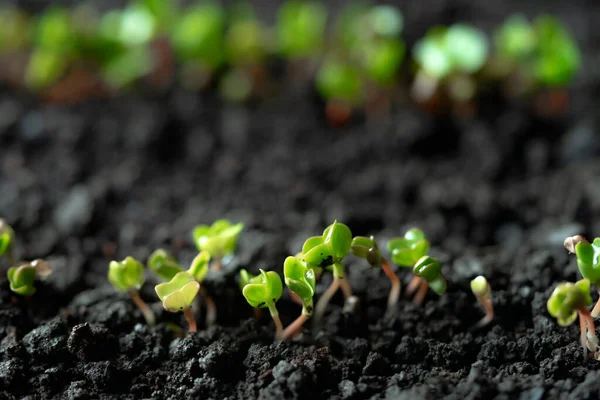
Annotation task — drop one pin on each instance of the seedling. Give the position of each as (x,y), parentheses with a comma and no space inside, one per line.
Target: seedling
(301,280)
(197,39)
(263,291)
(328,251)
(449,55)
(128,276)
(22,278)
(366,247)
(164,265)
(567,302)
(301,28)
(178,295)
(588,261)
(483,292)
(7,237)
(218,239)
(341,85)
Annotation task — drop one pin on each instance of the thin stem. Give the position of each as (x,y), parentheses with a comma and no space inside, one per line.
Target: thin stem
(596,309)
(146,311)
(257,313)
(420,296)
(211,310)
(323,302)
(582,334)
(489,312)
(345,287)
(396,286)
(276,319)
(189,317)
(294,328)
(412,286)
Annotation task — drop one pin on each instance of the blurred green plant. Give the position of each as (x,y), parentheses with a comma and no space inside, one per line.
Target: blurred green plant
(300,29)
(21,278)
(263,291)
(15,29)
(128,276)
(218,239)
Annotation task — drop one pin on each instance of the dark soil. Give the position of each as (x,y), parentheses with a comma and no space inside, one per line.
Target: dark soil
(496,194)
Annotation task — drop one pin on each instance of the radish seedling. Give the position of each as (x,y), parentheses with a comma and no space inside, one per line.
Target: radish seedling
(21,278)
(301,280)
(218,239)
(588,261)
(263,291)
(164,265)
(178,295)
(483,292)
(300,28)
(366,247)
(128,276)
(570,300)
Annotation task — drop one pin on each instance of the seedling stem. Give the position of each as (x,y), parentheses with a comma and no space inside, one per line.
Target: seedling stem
(293,329)
(146,311)
(189,317)
(396,286)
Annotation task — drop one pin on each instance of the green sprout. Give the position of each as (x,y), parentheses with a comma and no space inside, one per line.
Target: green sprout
(218,239)
(588,261)
(328,251)
(557,55)
(411,251)
(483,292)
(198,42)
(7,238)
(15,29)
(569,300)
(339,81)
(447,55)
(301,280)
(163,265)
(178,295)
(366,247)
(301,28)
(516,40)
(21,278)
(128,276)
(263,291)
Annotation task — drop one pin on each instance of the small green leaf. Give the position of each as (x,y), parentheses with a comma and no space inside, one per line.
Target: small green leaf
(438,285)
(407,250)
(367,248)
(199,267)
(480,286)
(178,293)
(219,239)
(386,20)
(245,278)
(339,237)
(301,27)
(338,80)
(127,274)
(7,235)
(163,264)
(428,268)
(587,260)
(263,290)
(567,298)
(299,278)
(21,279)
(516,39)
(467,47)
(320,256)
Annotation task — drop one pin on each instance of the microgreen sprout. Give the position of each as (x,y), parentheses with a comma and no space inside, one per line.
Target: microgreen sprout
(483,292)
(128,276)
(588,261)
(7,237)
(218,239)
(327,251)
(163,264)
(300,28)
(366,247)
(21,278)
(301,280)
(568,301)
(449,55)
(263,291)
(178,295)
(340,84)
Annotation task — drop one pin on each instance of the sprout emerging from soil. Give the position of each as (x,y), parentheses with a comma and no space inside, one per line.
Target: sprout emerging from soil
(178,295)
(7,238)
(301,280)
(128,276)
(218,239)
(300,28)
(339,82)
(483,292)
(22,278)
(366,247)
(263,291)
(164,265)
(588,261)
(567,302)
(327,251)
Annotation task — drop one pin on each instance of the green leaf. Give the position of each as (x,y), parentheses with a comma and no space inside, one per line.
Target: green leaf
(54,31)
(386,20)
(199,267)
(430,53)
(339,238)
(245,278)
(301,28)
(127,274)
(467,47)
(567,298)
(7,235)
(219,239)
(311,243)
(178,293)
(299,278)
(438,285)
(587,260)
(428,268)
(21,279)
(263,290)
(366,248)
(516,39)
(163,264)
(382,60)
(245,42)
(338,80)
(407,250)
(45,68)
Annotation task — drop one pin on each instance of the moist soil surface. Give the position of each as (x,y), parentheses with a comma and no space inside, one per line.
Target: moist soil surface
(496,192)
